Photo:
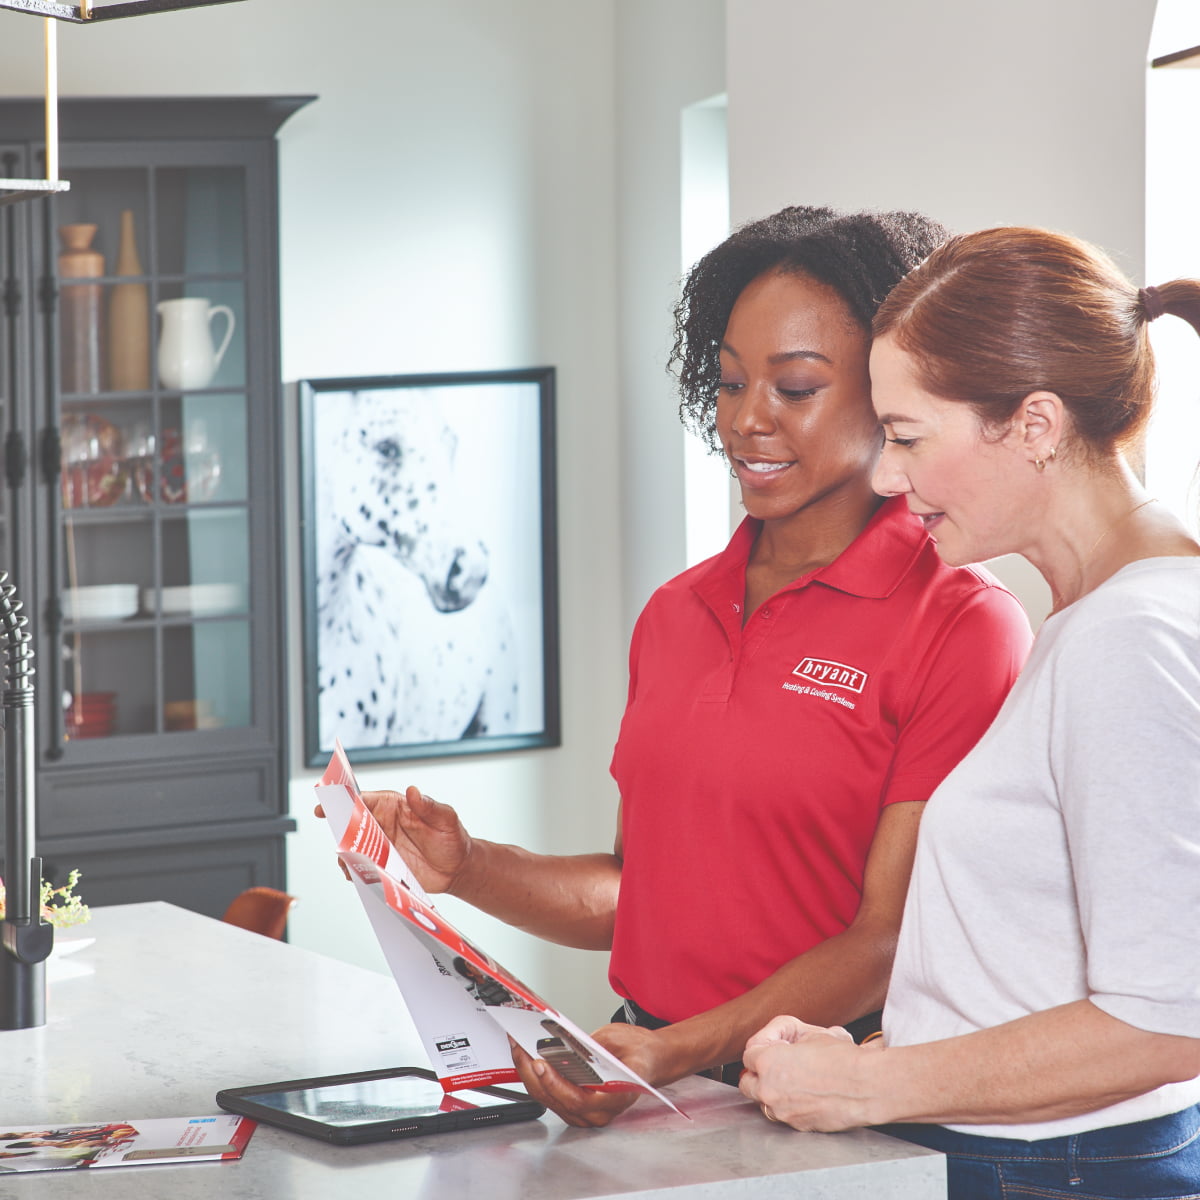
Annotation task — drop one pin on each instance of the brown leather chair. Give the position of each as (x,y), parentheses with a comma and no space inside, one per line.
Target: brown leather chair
(261,910)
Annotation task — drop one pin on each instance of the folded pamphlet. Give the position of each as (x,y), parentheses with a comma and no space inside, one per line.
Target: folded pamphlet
(124,1143)
(464,1004)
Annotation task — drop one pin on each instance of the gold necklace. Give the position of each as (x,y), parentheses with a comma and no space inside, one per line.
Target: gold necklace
(1087,559)
(1120,520)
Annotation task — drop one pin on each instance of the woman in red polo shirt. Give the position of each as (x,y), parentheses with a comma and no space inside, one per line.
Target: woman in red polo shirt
(792,703)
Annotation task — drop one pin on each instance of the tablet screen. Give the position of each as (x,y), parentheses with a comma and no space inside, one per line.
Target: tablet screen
(364,1100)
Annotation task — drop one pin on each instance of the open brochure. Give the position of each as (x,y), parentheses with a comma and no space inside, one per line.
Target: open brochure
(125,1143)
(465,1006)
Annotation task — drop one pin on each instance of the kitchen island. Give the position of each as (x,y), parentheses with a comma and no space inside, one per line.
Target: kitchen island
(165,1007)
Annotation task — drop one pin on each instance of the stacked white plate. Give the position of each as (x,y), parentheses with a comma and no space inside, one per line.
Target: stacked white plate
(197,600)
(102,602)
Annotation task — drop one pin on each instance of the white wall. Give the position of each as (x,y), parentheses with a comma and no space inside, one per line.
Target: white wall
(448,203)
(670,54)
(1173,251)
(712,500)
(1029,112)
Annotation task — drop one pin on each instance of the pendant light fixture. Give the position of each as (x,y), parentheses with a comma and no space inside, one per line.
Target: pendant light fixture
(84,13)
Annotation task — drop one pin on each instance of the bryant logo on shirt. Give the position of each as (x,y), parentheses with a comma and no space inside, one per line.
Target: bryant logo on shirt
(831,674)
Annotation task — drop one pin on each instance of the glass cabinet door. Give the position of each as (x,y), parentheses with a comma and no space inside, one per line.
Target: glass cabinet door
(140,500)
(154,552)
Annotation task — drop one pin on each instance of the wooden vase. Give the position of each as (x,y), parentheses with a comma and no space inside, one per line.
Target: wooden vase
(129,318)
(81,311)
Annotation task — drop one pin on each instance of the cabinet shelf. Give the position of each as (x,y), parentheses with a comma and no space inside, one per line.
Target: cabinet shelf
(122,625)
(149,621)
(146,510)
(161,280)
(92,399)
(114,514)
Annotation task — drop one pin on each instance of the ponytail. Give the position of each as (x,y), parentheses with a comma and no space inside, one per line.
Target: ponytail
(1179,298)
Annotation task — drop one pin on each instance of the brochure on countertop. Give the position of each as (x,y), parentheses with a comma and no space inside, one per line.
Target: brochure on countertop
(465,1006)
(125,1143)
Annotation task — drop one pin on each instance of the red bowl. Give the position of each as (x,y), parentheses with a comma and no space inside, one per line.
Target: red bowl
(75,713)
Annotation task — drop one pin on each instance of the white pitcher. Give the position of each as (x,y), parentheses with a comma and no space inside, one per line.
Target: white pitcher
(186,358)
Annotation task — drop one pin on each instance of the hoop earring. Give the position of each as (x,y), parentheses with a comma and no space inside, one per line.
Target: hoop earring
(1040,463)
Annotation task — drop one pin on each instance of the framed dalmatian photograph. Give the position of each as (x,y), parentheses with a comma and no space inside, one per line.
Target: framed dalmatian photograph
(428,533)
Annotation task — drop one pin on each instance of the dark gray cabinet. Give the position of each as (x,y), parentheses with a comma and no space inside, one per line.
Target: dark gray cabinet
(142,512)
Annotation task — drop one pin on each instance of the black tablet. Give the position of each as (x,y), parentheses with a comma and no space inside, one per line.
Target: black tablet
(371,1106)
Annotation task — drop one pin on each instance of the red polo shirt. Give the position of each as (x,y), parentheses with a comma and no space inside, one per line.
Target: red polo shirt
(753,761)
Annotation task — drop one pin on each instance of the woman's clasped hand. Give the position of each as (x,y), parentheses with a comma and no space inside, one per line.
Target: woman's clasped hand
(805,1075)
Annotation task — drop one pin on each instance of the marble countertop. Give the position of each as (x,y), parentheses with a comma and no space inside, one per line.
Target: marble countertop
(165,1007)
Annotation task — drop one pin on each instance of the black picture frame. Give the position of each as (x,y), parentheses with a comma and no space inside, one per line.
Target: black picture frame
(429,556)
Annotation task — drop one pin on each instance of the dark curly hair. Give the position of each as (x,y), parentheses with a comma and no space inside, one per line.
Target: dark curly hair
(861,255)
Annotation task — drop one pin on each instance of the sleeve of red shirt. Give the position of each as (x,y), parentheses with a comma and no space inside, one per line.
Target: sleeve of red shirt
(957,690)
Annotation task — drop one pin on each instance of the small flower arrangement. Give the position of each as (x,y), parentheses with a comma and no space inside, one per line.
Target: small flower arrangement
(60,906)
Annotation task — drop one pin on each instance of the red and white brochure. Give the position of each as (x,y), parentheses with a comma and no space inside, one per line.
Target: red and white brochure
(136,1142)
(464,1004)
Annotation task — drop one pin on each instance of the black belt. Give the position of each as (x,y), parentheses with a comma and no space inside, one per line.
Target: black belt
(865,1029)
(632,1013)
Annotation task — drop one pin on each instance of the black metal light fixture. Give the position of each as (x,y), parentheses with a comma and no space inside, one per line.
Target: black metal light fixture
(1179,58)
(83,13)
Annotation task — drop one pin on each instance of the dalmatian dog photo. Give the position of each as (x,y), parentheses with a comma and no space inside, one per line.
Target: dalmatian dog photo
(421,554)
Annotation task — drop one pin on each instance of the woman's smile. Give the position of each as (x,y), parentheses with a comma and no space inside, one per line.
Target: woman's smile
(758,472)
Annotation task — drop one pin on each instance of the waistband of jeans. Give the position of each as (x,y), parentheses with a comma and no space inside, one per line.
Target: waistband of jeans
(1155,1136)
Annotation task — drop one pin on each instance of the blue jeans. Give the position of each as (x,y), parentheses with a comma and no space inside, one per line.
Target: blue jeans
(1157,1159)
